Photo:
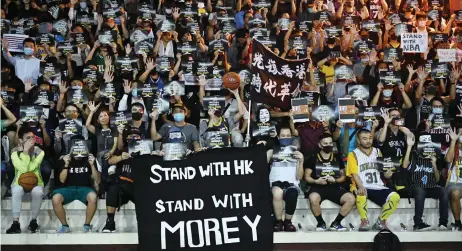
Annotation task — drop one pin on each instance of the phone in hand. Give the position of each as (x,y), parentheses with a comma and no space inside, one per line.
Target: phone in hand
(398,122)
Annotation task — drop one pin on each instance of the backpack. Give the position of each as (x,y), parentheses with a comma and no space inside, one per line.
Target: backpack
(385,240)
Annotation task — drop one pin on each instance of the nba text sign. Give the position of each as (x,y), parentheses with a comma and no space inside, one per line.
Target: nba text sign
(213,200)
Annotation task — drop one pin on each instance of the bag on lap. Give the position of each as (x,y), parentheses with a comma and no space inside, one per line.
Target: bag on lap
(386,240)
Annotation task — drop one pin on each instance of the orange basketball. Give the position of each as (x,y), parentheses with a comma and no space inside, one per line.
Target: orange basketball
(231,80)
(28,181)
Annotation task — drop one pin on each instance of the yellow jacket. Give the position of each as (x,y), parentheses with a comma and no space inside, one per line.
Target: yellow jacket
(24,163)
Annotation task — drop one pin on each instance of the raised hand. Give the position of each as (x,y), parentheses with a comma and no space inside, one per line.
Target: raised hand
(28,85)
(93,108)
(127,86)
(386,117)
(453,134)
(421,73)
(411,70)
(128,49)
(410,140)
(108,76)
(62,87)
(150,65)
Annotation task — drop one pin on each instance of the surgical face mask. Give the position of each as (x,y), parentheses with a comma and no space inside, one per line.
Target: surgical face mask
(83,5)
(28,51)
(168,11)
(285,141)
(135,92)
(364,60)
(437,110)
(200,5)
(422,24)
(178,117)
(387,93)
(310,10)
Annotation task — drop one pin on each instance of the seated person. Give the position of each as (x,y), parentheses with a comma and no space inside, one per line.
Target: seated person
(80,180)
(454,182)
(328,187)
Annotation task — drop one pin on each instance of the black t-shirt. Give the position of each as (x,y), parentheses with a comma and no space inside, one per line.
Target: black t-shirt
(105,138)
(394,145)
(334,159)
(124,170)
(78,174)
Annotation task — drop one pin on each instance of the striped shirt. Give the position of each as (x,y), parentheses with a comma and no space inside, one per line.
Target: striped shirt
(422,174)
(366,168)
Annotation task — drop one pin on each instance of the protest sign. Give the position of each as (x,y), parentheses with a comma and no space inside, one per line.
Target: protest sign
(275,79)
(323,113)
(347,110)
(300,107)
(120,118)
(428,145)
(216,139)
(369,113)
(446,55)
(328,168)
(414,42)
(140,147)
(385,164)
(208,193)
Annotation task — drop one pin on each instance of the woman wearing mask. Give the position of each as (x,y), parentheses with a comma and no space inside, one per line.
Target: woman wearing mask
(390,37)
(285,178)
(388,96)
(83,8)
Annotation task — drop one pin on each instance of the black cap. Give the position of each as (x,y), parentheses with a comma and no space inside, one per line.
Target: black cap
(179,105)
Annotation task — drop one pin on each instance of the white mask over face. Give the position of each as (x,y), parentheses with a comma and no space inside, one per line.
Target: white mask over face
(264,116)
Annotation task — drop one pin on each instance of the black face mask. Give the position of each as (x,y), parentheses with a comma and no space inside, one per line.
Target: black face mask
(5,75)
(393,36)
(218,113)
(327,149)
(137,116)
(431,90)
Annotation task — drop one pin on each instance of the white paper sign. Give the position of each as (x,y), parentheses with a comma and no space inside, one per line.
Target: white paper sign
(414,42)
(446,55)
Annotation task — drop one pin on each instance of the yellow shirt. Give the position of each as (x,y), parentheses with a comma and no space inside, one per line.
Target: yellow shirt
(329,72)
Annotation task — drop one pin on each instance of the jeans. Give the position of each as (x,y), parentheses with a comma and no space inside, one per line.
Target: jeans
(440,193)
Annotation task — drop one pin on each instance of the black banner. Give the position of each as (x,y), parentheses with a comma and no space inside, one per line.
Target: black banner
(275,79)
(440,70)
(77,96)
(79,148)
(30,113)
(204,208)
(429,145)
(369,113)
(390,77)
(216,139)
(385,164)
(391,54)
(214,102)
(120,118)
(140,147)
(264,129)
(327,168)
(174,151)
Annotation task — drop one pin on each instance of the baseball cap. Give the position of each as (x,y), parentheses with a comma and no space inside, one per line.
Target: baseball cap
(180,106)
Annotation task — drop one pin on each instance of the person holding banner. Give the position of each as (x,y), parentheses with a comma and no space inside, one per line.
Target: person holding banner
(26,158)
(454,181)
(424,179)
(285,175)
(367,182)
(326,184)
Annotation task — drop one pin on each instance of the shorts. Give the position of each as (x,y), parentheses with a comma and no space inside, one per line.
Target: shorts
(74,193)
(284,186)
(379,197)
(331,193)
(119,194)
(455,186)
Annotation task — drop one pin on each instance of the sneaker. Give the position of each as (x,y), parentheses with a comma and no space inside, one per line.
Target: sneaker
(321,227)
(33,226)
(335,226)
(289,227)
(278,226)
(380,225)
(14,229)
(443,227)
(422,227)
(109,227)
(64,230)
(86,228)
(364,225)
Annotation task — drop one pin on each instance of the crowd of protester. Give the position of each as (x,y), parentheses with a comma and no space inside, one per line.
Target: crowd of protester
(83,61)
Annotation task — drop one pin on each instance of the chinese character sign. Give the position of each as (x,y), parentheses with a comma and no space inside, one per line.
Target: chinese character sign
(275,80)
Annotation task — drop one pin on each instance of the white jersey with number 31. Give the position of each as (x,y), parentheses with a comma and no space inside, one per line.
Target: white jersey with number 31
(368,170)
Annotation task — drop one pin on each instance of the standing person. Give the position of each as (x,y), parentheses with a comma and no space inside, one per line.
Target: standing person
(424,183)
(367,182)
(26,158)
(27,67)
(284,181)
(454,182)
(328,187)
(80,179)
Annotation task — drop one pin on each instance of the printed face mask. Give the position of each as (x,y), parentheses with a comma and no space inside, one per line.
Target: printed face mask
(264,116)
